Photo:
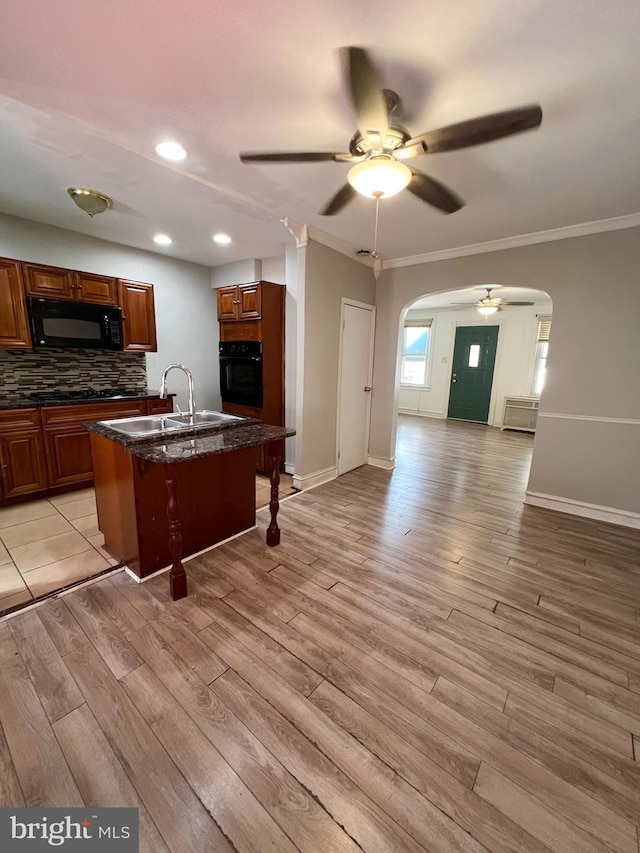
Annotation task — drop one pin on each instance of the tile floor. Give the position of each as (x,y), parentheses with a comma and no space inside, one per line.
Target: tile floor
(50,543)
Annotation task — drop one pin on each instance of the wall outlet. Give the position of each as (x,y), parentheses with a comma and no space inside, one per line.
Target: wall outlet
(444,359)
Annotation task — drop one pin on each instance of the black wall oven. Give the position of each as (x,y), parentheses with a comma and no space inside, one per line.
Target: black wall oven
(57,323)
(241,373)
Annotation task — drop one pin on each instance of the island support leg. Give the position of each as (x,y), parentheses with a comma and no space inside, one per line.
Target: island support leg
(177,574)
(275,452)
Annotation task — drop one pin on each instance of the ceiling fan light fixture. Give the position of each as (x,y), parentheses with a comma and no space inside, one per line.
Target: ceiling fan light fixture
(379,177)
(487,309)
(91,201)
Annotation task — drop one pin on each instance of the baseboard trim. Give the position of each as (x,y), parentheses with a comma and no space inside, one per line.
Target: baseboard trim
(162,571)
(438,415)
(594,511)
(289,468)
(595,418)
(379,462)
(310,481)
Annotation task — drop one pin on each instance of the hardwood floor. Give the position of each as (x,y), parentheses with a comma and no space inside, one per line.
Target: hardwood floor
(423,664)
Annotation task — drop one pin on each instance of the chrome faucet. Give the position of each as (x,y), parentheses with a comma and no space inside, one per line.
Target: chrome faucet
(163,388)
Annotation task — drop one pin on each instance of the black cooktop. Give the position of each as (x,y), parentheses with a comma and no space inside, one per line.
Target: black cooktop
(83,394)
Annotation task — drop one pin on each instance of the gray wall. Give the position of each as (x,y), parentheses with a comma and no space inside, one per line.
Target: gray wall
(328,276)
(587,446)
(186,316)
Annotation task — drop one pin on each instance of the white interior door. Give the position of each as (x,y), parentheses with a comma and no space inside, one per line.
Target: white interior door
(354,394)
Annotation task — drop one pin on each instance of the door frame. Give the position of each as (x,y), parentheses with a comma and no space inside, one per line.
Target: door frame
(344,301)
(493,399)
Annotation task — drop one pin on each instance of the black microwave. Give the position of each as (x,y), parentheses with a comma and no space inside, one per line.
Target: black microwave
(55,323)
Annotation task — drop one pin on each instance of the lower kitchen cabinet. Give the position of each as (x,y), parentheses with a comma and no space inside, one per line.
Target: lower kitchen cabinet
(67,445)
(22,463)
(68,453)
(48,450)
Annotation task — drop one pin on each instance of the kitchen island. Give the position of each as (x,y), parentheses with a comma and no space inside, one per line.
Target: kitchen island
(164,497)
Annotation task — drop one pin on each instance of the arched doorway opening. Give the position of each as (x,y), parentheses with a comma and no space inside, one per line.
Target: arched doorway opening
(454,363)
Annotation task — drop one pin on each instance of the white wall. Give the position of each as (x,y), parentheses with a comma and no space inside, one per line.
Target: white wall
(274,269)
(236,272)
(512,374)
(186,318)
(586,448)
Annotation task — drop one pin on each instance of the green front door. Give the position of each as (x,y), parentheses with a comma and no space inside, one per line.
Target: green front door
(474,355)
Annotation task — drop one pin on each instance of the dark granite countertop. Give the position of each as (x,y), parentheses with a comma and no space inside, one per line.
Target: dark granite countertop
(27,402)
(204,442)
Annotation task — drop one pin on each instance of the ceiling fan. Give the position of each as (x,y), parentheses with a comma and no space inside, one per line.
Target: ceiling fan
(380,146)
(490,304)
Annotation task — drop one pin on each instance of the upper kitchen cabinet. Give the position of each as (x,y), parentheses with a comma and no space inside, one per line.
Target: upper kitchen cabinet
(138,316)
(240,302)
(14,325)
(57,283)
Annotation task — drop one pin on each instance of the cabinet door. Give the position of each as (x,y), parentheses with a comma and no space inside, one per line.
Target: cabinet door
(22,461)
(14,325)
(68,455)
(50,282)
(160,407)
(99,289)
(138,316)
(227,303)
(249,301)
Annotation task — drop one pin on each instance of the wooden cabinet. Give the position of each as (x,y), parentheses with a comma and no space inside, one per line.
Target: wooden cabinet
(14,324)
(99,289)
(258,315)
(67,445)
(57,283)
(240,302)
(19,279)
(160,407)
(138,316)
(132,503)
(48,450)
(22,466)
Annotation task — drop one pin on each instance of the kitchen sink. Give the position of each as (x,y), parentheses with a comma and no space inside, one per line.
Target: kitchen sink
(205,418)
(144,427)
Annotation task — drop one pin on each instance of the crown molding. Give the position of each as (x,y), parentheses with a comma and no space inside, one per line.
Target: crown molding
(616,223)
(338,245)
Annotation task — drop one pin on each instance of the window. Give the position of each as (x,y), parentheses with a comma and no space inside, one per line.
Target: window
(542,349)
(415,350)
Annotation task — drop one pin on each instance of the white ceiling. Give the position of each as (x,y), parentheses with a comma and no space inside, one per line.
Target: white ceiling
(454,300)
(87,89)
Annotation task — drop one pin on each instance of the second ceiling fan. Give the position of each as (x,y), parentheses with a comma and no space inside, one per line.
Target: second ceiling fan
(380,146)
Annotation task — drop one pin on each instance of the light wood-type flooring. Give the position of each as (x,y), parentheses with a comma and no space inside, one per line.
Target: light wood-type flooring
(423,664)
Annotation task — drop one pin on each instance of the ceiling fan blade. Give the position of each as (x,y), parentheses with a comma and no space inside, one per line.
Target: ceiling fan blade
(365,89)
(516,303)
(434,193)
(340,200)
(479,130)
(295,157)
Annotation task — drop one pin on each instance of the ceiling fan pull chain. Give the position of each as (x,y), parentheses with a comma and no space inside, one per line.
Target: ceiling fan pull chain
(374,254)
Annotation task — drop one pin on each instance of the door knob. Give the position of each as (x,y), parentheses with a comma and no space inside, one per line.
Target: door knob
(366,388)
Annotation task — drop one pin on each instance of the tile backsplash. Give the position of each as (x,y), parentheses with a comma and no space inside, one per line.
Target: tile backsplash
(23,372)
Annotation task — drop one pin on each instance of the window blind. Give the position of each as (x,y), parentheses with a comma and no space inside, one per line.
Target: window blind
(421,323)
(544,327)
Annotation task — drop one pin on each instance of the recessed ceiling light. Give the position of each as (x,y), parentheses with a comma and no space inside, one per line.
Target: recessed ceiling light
(221,238)
(162,240)
(171,151)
